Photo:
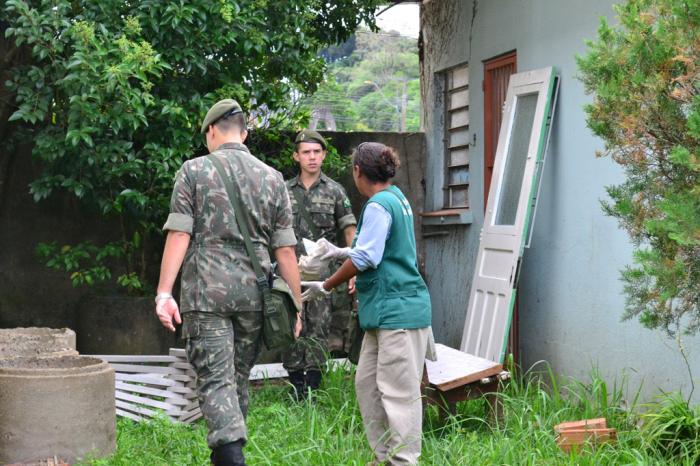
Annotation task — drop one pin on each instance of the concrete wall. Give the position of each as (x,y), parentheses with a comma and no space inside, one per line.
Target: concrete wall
(33,295)
(570,295)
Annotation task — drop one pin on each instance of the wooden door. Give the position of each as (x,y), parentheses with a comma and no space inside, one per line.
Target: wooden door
(519,154)
(497,72)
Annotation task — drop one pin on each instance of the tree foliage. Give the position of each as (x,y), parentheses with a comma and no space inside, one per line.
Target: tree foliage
(370,89)
(644,76)
(112,94)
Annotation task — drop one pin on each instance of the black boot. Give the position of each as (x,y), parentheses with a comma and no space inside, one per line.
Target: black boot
(230,454)
(313,379)
(296,378)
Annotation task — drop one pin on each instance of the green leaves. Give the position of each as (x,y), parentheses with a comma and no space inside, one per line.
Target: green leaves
(112,94)
(646,108)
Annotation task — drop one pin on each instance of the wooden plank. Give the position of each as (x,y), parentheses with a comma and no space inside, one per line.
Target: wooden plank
(169,396)
(598,423)
(135,358)
(178,352)
(267,371)
(454,368)
(189,419)
(146,401)
(140,368)
(182,365)
(149,379)
(136,408)
(122,413)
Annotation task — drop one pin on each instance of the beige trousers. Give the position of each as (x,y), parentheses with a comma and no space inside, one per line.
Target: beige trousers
(387,383)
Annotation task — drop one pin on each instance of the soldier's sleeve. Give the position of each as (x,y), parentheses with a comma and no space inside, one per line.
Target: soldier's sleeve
(181,217)
(343,210)
(283,223)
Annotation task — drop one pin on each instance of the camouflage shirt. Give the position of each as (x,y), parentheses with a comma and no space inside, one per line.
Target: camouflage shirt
(217,274)
(328,206)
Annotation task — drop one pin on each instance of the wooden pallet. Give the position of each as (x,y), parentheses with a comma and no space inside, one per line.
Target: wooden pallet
(149,385)
(458,376)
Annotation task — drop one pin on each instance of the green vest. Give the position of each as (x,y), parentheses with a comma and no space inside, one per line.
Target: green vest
(394,295)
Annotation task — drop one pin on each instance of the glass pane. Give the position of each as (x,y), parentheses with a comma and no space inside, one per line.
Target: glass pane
(459,77)
(459,197)
(459,138)
(459,175)
(459,118)
(459,157)
(459,99)
(512,178)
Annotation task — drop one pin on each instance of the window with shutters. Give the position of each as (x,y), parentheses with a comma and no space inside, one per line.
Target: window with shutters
(457,137)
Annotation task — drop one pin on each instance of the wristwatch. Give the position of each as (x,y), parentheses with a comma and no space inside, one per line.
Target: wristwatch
(160,296)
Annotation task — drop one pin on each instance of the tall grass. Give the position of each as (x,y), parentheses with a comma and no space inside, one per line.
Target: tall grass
(327,430)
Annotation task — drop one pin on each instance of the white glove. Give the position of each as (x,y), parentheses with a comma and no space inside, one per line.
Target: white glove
(332,251)
(314,290)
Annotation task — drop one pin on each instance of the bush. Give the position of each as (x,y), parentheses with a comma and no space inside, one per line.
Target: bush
(643,75)
(112,95)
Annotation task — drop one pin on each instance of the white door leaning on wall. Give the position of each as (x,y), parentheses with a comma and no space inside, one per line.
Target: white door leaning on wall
(519,158)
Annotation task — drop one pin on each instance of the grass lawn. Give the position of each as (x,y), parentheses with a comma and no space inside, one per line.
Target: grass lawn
(329,432)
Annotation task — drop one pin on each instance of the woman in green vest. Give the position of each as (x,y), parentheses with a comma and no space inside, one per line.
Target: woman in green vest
(394,308)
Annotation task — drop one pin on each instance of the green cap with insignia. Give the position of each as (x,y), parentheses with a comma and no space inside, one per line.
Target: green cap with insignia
(221,109)
(309,135)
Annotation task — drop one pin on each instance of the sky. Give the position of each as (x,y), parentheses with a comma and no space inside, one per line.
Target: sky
(402,18)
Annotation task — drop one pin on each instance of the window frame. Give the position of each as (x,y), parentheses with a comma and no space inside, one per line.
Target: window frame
(447,76)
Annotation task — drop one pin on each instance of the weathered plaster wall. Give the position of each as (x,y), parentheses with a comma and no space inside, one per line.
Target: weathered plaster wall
(570,296)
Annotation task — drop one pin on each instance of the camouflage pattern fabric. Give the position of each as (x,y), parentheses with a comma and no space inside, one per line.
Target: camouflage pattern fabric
(217,275)
(330,210)
(222,350)
(220,301)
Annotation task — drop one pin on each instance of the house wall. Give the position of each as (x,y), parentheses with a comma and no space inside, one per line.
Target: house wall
(570,296)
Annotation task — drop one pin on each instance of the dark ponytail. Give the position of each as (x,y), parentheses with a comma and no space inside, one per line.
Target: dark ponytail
(376,161)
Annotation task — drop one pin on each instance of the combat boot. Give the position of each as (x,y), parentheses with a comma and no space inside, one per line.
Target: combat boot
(313,379)
(229,454)
(296,378)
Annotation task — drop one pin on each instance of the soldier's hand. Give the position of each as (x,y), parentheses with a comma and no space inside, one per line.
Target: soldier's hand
(351,285)
(168,313)
(297,326)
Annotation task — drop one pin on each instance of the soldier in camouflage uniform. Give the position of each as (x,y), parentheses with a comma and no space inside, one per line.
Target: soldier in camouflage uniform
(318,200)
(220,301)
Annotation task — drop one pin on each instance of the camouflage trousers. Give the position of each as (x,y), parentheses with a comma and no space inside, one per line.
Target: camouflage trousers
(324,319)
(222,349)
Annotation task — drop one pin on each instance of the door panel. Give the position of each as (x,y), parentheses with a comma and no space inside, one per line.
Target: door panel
(520,148)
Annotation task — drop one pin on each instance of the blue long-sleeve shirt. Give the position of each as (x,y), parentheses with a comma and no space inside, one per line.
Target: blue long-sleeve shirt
(369,247)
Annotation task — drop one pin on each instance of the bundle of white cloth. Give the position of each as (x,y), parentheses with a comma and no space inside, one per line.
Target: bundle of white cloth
(318,256)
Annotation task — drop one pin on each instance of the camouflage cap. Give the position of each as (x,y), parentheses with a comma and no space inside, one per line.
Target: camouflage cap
(222,108)
(309,135)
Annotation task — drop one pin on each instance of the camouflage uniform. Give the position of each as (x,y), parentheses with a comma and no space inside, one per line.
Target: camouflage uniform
(220,301)
(329,208)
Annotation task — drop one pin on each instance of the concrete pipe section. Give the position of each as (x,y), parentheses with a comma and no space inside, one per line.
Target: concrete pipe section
(57,406)
(34,341)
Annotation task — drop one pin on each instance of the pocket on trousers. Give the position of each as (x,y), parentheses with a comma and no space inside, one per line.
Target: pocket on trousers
(194,342)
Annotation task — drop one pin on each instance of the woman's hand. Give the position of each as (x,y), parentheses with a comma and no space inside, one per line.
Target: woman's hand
(332,251)
(314,290)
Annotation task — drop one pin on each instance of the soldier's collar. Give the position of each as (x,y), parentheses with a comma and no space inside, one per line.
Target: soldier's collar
(233,145)
(297,181)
